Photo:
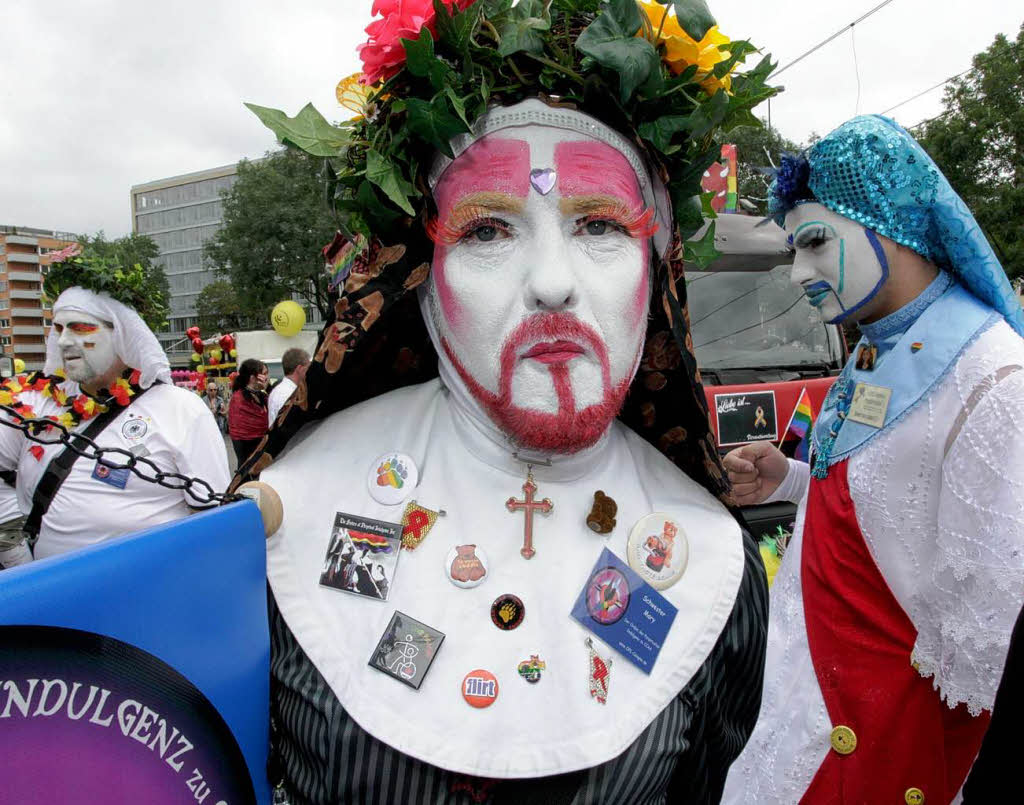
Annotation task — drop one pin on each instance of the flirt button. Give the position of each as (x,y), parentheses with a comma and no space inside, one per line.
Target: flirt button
(480,688)
(392,478)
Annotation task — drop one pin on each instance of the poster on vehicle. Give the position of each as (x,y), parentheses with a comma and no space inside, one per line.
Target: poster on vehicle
(746,416)
(137,670)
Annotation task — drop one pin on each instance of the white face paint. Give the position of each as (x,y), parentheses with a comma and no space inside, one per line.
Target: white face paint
(86,345)
(839,264)
(539,285)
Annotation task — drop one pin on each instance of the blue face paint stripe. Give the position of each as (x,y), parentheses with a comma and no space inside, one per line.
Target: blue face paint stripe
(884,263)
(842,264)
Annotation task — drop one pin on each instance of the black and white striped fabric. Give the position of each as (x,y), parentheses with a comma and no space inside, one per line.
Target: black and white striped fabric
(682,757)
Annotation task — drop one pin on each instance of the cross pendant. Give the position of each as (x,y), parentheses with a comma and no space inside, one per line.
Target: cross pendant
(528,504)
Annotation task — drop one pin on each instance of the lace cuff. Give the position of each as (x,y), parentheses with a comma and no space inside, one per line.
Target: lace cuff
(794,485)
(966,611)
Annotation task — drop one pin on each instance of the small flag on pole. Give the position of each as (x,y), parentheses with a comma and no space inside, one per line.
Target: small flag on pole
(800,424)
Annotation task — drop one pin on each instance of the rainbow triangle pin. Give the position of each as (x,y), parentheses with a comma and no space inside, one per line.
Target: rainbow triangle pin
(916,346)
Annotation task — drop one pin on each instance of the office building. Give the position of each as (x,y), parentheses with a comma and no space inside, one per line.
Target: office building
(181,214)
(24,316)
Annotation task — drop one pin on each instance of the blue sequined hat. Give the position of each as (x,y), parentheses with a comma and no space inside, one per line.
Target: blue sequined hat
(872,171)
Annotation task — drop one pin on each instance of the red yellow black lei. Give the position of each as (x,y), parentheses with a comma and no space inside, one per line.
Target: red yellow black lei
(79,408)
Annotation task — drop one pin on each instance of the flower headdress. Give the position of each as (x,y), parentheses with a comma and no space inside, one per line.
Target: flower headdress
(129,285)
(432,67)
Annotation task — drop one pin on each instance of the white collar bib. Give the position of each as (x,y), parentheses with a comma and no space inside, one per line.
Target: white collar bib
(532,730)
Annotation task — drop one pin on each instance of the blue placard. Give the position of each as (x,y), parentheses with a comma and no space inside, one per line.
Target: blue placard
(137,669)
(624,611)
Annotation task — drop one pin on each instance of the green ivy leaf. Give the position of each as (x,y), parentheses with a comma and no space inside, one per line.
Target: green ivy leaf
(709,114)
(431,121)
(522,27)
(687,213)
(612,42)
(455,28)
(660,132)
(458,104)
(308,130)
(422,63)
(367,202)
(385,174)
(694,17)
(737,52)
(702,252)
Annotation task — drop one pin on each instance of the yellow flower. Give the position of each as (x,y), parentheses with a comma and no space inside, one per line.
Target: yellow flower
(681,50)
(6,398)
(353,95)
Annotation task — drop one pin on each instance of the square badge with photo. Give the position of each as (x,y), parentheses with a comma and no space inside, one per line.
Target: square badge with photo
(406,649)
(362,555)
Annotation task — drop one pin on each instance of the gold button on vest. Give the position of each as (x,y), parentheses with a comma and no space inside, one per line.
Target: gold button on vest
(914,796)
(844,740)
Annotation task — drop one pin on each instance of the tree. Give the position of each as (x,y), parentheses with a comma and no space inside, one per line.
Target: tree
(276,223)
(219,310)
(978,143)
(758,149)
(128,251)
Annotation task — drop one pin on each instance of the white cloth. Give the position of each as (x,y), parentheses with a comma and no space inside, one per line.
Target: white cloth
(134,342)
(278,397)
(946,529)
(178,433)
(531,730)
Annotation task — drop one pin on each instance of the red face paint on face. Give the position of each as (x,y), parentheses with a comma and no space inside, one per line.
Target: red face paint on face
(490,165)
(562,337)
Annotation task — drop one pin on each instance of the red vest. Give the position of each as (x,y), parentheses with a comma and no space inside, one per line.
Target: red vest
(860,641)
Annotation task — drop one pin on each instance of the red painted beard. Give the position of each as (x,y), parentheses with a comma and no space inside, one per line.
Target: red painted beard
(557,336)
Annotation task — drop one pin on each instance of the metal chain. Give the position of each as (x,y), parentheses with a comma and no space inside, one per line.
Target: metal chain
(195,488)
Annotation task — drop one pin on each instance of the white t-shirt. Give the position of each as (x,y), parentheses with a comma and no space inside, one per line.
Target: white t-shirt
(278,397)
(170,426)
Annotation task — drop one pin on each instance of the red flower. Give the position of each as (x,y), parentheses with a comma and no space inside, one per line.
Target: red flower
(133,378)
(383,54)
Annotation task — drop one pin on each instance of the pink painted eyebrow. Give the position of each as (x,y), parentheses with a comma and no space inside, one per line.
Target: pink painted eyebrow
(490,165)
(587,168)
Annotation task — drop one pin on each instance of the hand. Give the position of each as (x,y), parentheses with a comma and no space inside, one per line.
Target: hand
(755,470)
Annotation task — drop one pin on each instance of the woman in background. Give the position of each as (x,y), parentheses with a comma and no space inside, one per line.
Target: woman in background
(247,413)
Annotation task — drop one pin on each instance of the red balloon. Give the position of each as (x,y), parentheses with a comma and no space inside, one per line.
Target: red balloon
(227,343)
(212,361)
(192,332)
(197,345)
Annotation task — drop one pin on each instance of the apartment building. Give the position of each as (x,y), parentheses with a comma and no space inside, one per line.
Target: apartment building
(180,214)
(24,317)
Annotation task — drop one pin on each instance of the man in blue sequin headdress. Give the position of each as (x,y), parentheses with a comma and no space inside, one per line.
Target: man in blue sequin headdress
(891,617)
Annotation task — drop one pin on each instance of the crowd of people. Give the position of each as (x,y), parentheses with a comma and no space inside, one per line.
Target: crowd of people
(548,286)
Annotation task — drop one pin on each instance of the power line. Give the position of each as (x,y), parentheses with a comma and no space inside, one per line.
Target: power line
(840,32)
(925,92)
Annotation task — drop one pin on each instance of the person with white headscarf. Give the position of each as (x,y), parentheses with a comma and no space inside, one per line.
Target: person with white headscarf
(105,375)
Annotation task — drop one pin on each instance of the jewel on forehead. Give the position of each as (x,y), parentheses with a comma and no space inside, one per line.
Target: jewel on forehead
(543,180)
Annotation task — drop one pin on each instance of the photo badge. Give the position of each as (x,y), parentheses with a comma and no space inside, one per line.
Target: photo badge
(658,550)
(623,611)
(406,650)
(361,556)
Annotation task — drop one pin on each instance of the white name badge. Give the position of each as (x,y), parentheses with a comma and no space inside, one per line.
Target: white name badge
(869,405)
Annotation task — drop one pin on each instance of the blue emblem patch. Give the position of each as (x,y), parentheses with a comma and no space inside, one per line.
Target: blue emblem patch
(115,476)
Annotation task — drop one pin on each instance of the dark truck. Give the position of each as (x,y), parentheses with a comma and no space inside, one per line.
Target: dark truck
(759,343)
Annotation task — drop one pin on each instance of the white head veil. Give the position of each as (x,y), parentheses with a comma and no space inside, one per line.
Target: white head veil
(134,342)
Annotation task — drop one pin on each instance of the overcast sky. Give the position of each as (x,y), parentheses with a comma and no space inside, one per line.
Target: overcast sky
(99,95)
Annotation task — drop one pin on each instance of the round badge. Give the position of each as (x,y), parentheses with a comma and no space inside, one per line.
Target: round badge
(658,550)
(507,612)
(607,595)
(392,478)
(134,428)
(466,566)
(480,688)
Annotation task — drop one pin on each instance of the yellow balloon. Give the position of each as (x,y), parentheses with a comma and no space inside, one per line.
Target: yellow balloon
(234,353)
(196,357)
(216,353)
(287,317)
(201,369)
(19,365)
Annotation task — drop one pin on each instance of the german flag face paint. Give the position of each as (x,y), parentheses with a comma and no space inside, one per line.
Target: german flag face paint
(86,345)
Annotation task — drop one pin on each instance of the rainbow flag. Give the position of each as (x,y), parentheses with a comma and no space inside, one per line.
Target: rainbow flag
(376,542)
(800,424)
